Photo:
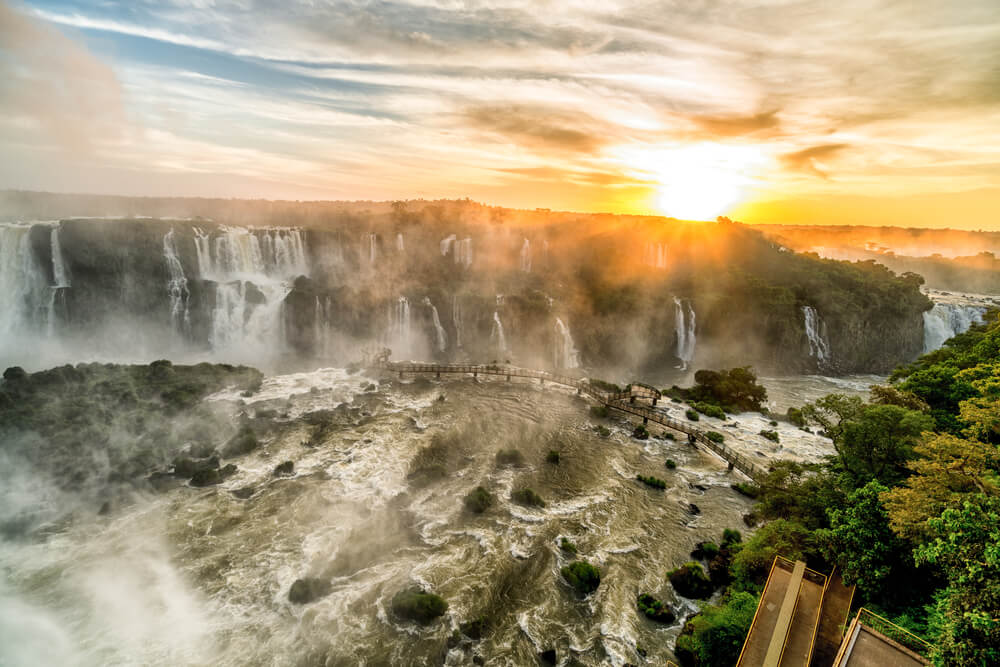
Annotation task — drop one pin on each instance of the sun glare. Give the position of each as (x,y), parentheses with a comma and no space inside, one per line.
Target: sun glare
(698,181)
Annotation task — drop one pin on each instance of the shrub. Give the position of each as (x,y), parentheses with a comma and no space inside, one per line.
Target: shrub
(710,410)
(716,635)
(478,500)
(731,536)
(640,433)
(582,576)
(690,581)
(715,436)
(599,411)
(604,386)
(654,482)
(705,551)
(509,457)
(654,609)
(527,497)
(671,464)
(567,546)
(795,416)
(770,435)
(286,468)
(603,431)
(415,605)
(667,435)
(747,489)
(552,457)
(692,415)
(773,423)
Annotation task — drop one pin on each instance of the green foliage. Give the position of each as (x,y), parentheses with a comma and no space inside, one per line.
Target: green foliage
(567,546)
(599,411)
(715,636)
(781,537)
(526,496)
(603,431)
(582,576)
(877,443)
(731,537)
(690,581)
(654,482)
(798,492)
(671,464)
(479,500)
(640,433)
(654,609)
(609,387)
(510,457)
(748,489)
(795,416)
(692,415)
(715,436)
(416,605)
(552,457)
(735,389)
(770,435)
(710,410)
(705,551)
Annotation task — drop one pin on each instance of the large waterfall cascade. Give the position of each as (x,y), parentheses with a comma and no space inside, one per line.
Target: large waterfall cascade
(400,244)
(24,288)
(655,255)
(566,355)
(177,285)
(819,346)
(457,319)
(497,337)
(323,327)
(442,336)
(402,332)
(254,270)
(686,328)
(526,256)
(463,252)
(946,320)
(446,244)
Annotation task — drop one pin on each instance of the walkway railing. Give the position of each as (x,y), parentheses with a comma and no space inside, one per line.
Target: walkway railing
(623,401)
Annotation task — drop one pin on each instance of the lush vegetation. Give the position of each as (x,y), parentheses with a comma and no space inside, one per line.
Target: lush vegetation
(654,609)
(691,581)
(716,392)
(479,500)
(414,604)
(640,432)
(510,457)
(907,508)
(770,435)
(567,546)
(671,464)
(526,496)
(582,576)
(654,482)
(715,436)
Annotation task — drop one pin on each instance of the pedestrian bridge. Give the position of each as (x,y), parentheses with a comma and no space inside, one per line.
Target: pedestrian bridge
(637,399)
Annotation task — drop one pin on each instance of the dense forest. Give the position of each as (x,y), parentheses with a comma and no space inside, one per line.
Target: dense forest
(908,509)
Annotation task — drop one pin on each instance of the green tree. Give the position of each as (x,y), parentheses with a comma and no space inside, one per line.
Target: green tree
(832,411)
(878,441)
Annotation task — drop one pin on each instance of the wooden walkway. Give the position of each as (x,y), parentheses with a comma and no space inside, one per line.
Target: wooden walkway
(625,401)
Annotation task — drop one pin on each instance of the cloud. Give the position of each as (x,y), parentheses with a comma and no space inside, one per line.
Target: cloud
(810,159)
(736,126)
(537,127)
(53,86)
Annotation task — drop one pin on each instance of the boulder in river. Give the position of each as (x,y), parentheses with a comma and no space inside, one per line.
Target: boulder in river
(308,589)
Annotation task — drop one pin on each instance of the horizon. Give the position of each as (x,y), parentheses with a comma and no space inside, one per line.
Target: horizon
(686,113)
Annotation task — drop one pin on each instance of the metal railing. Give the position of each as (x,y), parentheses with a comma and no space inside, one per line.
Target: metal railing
(900,635)
(623,401)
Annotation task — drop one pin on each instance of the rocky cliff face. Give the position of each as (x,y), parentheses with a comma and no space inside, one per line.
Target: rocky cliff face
(434,289)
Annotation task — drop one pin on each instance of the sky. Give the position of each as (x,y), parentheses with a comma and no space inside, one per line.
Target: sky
(850,112)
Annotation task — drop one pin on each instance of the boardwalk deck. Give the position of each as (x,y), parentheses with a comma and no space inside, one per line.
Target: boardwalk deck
(624,401)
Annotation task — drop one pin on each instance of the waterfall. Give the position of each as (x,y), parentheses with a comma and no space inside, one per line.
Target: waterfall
(24,289)
(946,320)
(253,271)
(446,244)
(402,341)
(497,336)
(685,327)
(655,255)
(463,252)
(566,354)
(177,285)
(456,319)
(400,246)
(816,333)
(442,337)
(322,326)
(58,268)
(526,256)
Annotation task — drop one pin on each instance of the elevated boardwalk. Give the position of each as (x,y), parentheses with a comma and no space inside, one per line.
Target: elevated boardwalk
(626,401)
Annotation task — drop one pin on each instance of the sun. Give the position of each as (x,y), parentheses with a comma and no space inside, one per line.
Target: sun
(698,181)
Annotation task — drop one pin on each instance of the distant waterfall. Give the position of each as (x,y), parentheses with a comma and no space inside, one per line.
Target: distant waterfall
(322,327)
(372,249)
(400,246)
(253,270)
(24,288)
(655,255)
(685,327)
(442,337)
(497,337)
(463,252)
(819,347)
(58,267)
(446,244)
(946,320)
(456,319)
(566,355)
(526,256)
(177,285)
(402,341)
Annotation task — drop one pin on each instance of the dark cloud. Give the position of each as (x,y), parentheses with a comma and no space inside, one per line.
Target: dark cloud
(806,159)
(538,127)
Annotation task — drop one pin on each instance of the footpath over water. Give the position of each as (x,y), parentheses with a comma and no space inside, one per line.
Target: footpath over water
(637,399)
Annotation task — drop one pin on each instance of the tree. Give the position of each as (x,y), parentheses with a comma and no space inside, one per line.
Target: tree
(831,411)
(966,545)
(877,442)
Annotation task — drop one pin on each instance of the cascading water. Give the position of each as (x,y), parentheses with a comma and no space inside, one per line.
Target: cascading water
(24,289)
(402,341)
(656,255)
(253,270)
(526,256)
(177,285)
(946,320)
(446,244)
(685,327)
(400,245)
(497,337)
(463,252)
(456,319)
(819,347)
(442,336)
(322,327)
(59,277)
(566,355)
